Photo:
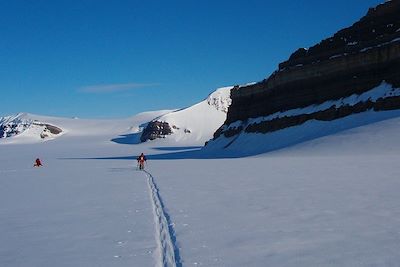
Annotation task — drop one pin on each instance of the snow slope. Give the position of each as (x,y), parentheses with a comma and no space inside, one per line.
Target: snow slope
(196,124)
(248,144)
(327,201)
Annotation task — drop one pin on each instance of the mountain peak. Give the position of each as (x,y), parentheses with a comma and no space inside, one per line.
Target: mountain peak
(220,99)
(196,123)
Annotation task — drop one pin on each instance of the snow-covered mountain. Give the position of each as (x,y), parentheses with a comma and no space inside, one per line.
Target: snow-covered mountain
(13,125)
(24,124)
(196,123)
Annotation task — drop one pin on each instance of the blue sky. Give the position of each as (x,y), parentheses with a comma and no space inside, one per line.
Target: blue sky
(107,59)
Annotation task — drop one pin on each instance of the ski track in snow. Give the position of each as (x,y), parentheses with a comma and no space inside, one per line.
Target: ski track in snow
(165,233)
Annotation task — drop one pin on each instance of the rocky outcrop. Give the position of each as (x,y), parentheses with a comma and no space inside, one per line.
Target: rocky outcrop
(155,129)
(48,129)
(354,61)
(53,129)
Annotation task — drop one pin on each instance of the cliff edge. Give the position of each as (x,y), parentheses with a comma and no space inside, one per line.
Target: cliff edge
(355,70)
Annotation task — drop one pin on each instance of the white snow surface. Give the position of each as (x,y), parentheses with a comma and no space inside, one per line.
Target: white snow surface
(330,200)
(197,124)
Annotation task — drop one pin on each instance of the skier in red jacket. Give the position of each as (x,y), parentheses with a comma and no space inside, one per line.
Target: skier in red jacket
(141,159)
(38,163)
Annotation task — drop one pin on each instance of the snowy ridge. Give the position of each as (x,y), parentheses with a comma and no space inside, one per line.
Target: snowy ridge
(25,126)
(165,234)
(196,124)
(248,144)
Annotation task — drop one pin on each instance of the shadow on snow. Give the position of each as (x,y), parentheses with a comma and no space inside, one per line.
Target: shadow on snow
(128,139)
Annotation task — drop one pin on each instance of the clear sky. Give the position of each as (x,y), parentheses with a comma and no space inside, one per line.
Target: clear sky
(107,59)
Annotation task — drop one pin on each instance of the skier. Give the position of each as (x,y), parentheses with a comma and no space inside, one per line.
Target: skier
(38,163)
(141,159)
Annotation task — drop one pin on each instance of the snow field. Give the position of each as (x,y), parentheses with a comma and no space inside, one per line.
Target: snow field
(328,198)
(75,213)
(285,210)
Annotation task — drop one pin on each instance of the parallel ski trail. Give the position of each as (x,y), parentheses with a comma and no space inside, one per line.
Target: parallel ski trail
(165,233)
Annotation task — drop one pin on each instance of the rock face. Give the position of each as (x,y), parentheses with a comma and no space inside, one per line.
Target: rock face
(155,129)
(353,62)
(48,129)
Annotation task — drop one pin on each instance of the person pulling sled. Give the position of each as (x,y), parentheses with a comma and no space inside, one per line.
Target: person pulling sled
(141,159)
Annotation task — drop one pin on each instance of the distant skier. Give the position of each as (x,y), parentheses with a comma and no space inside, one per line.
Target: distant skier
(141,159)
(38,163)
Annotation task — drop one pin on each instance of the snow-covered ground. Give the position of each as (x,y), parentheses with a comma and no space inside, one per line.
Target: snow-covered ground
(330,201)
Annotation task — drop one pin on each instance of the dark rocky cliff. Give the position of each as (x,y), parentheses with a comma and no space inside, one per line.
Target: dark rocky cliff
(352,62)
(155,129)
